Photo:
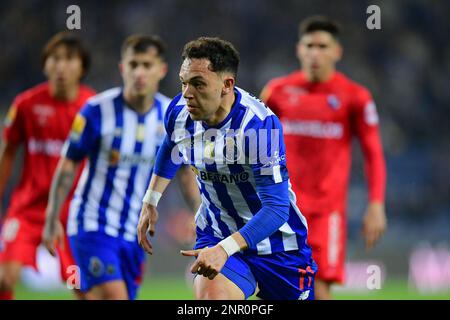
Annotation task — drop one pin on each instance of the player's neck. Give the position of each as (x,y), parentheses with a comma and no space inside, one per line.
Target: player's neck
(66,93)
(140,104)
(223,111)
(319,78)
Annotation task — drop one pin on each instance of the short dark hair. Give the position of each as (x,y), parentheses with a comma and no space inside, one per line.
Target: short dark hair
(140,43)
(320,23)
(222,54)
(72,42)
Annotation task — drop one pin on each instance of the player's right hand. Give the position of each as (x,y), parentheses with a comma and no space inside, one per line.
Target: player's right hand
(52,235)
(146,226)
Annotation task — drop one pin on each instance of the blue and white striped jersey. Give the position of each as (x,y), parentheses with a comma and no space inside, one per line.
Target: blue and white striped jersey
(229,186)
(121,146)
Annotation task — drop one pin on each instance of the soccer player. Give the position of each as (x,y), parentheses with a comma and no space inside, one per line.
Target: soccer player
(249,229)
(321,110)
(40,119)
(119,131)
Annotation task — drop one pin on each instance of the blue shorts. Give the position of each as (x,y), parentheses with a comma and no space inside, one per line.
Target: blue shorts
(102,258)
(279,276)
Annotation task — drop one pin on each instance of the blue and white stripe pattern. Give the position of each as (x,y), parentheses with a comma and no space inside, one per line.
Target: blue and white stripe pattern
(121,146)
(229,190)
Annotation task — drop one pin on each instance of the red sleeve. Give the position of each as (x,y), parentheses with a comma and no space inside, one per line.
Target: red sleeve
(365,120)
(267,96)
(14,130)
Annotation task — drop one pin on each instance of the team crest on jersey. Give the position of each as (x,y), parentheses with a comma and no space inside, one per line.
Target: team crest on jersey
(96,267)
(208,151)
(140,133)
(78,125)
(114,157)
(333,102)
(11,116)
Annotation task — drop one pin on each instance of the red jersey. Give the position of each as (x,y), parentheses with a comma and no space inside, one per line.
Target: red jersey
(42,123)
(319,120)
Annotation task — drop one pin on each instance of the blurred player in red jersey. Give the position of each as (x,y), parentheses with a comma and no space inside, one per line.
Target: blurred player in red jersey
(40,118)
(320,110)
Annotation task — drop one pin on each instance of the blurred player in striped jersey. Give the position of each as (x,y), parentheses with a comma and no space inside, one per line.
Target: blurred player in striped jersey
(40,118)
(119,131)
(321,110)
(249,230)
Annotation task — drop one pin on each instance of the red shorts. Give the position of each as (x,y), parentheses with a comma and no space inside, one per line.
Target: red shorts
(19,240)
(327,234)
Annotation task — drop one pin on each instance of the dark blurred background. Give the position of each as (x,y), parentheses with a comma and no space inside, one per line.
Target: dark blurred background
(406,66)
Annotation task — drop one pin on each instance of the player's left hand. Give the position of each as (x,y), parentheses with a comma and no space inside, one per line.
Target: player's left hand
(52,235)
(209,260)
(374,223)
(146,226)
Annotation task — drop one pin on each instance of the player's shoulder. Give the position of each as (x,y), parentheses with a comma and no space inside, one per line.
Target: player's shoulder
(176,105)
(254,106)
(176,112)
(357,90)
(163,100)
(101,105)
(31,95)
(105,96)
(86,91)
(257,115)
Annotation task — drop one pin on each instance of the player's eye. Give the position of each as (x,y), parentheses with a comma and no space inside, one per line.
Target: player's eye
(147,65)
(198,85)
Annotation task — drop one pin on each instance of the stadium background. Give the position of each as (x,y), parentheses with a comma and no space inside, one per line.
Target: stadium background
(406,65)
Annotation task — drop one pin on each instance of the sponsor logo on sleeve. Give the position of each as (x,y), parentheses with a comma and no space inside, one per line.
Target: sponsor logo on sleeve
(11,116)
(370,113)
(78,126)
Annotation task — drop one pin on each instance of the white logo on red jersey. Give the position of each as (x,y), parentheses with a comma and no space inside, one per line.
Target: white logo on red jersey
(43,112)
(314,129)
(48,147)
(294,93)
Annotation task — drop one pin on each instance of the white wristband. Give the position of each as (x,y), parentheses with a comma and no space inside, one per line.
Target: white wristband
(230,246)
(152,197)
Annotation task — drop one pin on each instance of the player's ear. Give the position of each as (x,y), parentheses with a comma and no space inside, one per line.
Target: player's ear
(45,68)
(297,50)
(339,52)
(228,84)
(163,70)
(121,68)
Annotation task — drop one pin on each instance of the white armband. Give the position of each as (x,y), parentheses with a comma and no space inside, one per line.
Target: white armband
(230,246)
(152,197)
